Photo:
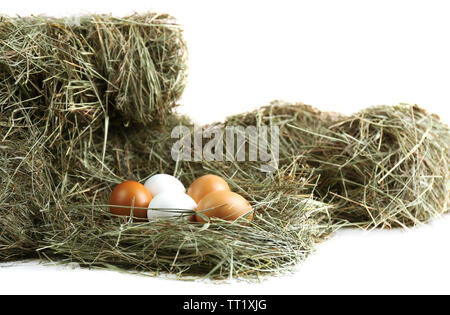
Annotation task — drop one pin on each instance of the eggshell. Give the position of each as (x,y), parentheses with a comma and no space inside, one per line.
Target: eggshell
(170,203)
(206,184)
(130,193)
(224,204)
(163,182)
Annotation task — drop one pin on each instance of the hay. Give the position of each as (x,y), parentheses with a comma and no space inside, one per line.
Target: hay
(386,166)
(74,71)
(287,222)
(25,183)
(87,103)
(284,232)
(66,217)
(62,215)
(63,84)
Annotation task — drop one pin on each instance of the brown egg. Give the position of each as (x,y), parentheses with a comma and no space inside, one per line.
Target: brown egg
(206,184)
(224,204)
(191,218)
(124,194)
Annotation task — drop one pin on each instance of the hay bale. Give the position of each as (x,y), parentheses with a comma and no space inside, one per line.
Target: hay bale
(386,166)
(74,71)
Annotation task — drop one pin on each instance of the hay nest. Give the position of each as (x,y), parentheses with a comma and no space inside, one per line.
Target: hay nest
(66,217)
(284,232)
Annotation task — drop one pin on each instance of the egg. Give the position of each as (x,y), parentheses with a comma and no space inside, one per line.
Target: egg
(163,182)
(170,203)
(127,194)
(224,204)
(206,184)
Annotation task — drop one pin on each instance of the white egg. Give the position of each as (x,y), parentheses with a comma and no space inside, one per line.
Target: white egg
(163,182)
(170,203)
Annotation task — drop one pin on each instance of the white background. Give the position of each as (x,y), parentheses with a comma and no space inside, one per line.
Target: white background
(335,55)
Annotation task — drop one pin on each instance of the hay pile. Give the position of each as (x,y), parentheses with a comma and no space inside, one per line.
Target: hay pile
(68,219)
(88,103)
(388,167)
(385,166)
